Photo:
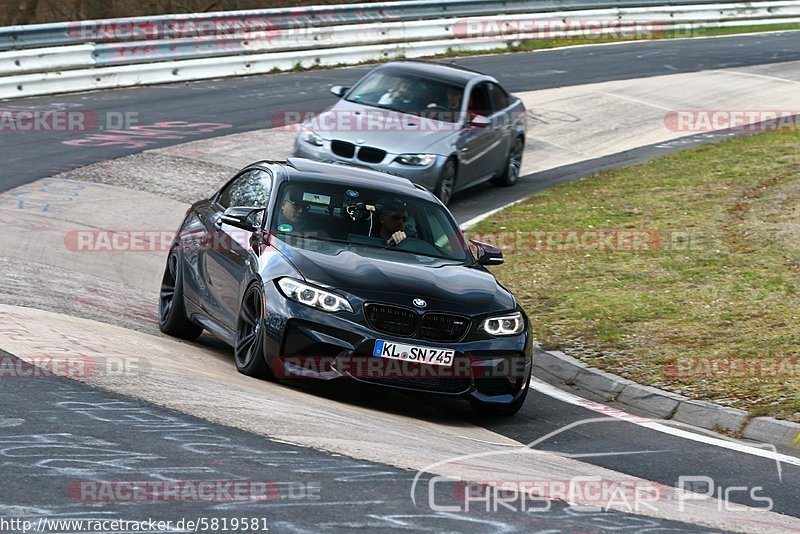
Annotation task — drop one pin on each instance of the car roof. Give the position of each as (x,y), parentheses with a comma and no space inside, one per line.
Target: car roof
(346,175)
(440,71)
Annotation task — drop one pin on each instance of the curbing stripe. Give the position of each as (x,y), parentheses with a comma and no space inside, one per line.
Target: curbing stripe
(555,366)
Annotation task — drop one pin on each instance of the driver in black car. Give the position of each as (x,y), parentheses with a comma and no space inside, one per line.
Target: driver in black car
(293,211)
(392,219)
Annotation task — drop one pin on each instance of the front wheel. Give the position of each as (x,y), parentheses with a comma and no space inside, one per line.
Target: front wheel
(172,318)
(249,346)
(513,165)
(447,182)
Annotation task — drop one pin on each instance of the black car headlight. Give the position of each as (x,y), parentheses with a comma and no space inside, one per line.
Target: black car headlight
(313,296)
(509,324)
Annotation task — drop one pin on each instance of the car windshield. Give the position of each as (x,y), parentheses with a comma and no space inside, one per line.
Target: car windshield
(409,94)
(358,216)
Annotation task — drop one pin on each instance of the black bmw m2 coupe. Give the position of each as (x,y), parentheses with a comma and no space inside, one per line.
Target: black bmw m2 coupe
(331,271)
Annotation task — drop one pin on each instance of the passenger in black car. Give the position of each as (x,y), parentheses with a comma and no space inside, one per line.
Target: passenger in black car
(392,219)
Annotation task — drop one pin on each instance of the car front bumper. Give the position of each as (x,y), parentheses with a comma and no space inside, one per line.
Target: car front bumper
(427,176)
(303,342)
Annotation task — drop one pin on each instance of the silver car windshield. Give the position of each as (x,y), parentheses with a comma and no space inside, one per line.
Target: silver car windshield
(365,217)
(408,94)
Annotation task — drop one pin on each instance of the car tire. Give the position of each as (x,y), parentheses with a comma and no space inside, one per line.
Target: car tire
(503,410)
(172,318)
(513,165)
(446,183)
(249,345)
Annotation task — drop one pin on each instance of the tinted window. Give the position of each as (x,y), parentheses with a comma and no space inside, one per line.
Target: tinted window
(364,217)
(479,103)
(251,188)
(409,94)
(499,97)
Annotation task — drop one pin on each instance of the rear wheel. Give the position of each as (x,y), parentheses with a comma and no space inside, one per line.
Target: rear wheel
(172,318)
(447,182)
(513,165)
(249,347)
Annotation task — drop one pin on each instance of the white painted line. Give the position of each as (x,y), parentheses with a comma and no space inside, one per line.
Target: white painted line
(754,75)
(475,220)
(726,443)
(629,99)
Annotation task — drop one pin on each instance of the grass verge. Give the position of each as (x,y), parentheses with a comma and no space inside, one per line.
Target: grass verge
(697,290)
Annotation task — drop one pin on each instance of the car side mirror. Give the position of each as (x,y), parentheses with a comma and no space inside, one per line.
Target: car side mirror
(488,254)
(479,121)
(246,218)
(339,90)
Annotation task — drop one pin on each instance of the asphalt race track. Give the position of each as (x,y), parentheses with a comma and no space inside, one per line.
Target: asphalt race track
(249,103)
(55,431)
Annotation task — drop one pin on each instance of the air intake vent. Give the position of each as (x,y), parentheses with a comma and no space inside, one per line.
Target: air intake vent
(391,319)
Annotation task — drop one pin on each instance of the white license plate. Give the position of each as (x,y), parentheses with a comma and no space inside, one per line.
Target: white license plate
(413,353)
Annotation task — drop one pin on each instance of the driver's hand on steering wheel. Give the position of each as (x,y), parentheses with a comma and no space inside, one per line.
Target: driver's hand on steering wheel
(396,238)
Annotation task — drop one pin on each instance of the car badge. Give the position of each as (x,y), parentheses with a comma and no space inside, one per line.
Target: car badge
(360,141)
(419,303)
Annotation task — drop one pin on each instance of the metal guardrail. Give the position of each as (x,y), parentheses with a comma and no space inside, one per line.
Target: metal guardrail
(149,50)
(176,26)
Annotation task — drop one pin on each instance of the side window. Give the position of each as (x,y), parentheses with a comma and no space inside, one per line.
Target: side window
(499,97)
(251,188)
(440,235)
(479,103)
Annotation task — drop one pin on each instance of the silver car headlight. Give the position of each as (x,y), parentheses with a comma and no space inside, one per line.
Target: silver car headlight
(504,325)
(308,135)
(418,160)
(313,296)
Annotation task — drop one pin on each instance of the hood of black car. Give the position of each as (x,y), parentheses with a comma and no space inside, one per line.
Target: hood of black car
(372,273)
